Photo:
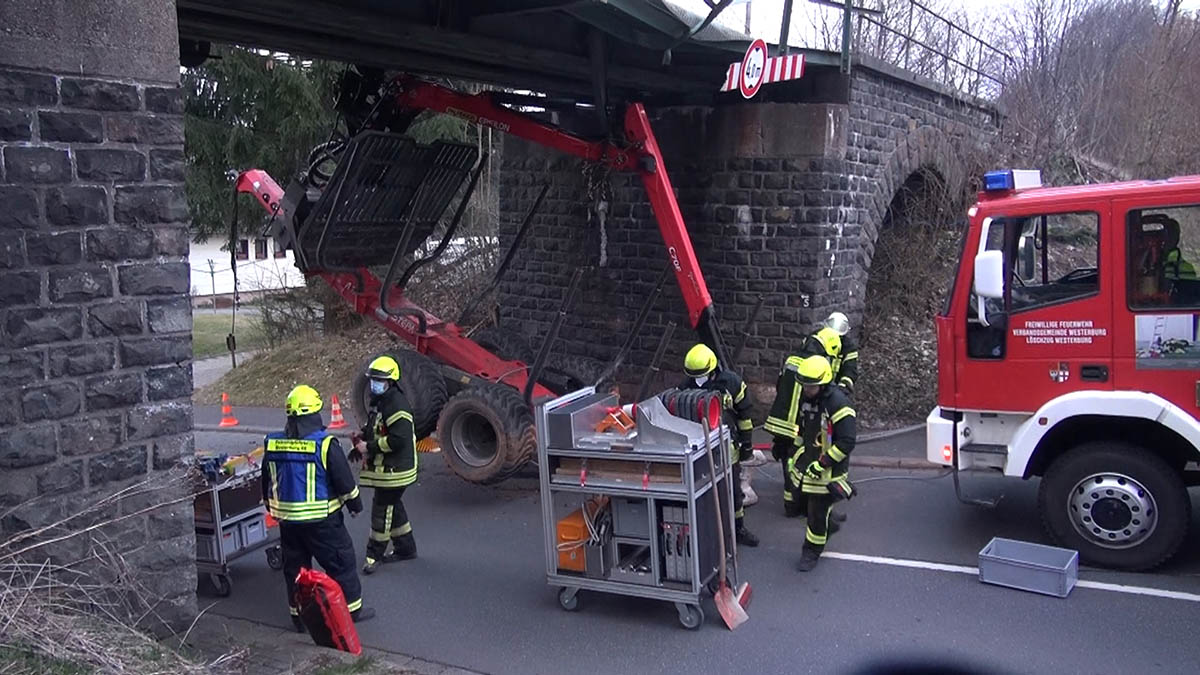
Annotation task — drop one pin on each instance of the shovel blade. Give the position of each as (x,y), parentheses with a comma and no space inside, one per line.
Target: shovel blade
(744,594)
(732,613)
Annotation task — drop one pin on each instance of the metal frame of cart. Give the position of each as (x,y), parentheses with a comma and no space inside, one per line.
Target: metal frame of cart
(217,565)
(687,600)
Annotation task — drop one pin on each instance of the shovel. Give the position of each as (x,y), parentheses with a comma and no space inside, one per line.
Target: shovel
(727,603)
(743,592)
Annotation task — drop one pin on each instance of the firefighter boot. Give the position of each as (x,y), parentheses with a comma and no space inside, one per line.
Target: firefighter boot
(404,547)
(744,536)
(808,559)
(836,517)
(364,614)
(371,565)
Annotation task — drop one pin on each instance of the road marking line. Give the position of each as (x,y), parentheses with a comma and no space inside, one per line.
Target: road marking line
(963,569)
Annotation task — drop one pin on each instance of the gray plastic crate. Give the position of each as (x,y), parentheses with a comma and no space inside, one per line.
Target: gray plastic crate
(1029,567)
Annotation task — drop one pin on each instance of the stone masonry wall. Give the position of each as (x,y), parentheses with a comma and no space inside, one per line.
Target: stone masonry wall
(95,323)
(782,200)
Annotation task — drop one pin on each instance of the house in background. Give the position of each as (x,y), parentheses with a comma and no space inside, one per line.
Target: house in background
(261,267)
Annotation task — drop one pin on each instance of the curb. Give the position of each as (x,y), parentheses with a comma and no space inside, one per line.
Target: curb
(250,429)
(883,462)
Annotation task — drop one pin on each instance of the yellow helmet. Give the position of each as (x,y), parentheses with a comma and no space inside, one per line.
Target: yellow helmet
(815,370)
(384,368)
(830,341)
(700,361)
(302,400)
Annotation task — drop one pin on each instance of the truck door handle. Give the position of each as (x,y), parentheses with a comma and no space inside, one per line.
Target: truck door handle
(1094,373)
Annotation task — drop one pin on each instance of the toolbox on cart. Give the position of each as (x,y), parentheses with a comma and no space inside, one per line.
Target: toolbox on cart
(655,535)
(230,518)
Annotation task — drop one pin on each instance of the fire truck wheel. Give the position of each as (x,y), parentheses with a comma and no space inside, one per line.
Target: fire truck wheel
(422,382)
(1118,504)
(486,433)
(506,344)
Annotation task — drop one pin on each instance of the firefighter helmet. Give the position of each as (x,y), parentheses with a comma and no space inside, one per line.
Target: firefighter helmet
(838,323)
(302,400)
(384,368)
(700,361)
(815,370)
(830,341)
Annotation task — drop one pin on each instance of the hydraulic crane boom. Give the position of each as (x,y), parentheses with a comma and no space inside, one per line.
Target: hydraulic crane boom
(443,340)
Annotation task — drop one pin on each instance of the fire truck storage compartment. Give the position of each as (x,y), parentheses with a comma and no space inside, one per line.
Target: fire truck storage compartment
(629,512)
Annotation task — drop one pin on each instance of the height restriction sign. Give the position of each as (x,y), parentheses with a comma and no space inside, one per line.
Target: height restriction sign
(754,67)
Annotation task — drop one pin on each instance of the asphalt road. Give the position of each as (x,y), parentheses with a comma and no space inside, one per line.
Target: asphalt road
(477,596)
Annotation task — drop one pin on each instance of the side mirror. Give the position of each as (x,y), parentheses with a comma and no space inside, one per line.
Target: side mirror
(1025,257)
(989,274)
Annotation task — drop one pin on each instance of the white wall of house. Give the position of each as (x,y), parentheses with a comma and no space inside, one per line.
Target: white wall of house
(260,267)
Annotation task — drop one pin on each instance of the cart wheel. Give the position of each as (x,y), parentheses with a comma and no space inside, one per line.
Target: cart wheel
(568,599)
(222,584)
(691,617)
(275,558)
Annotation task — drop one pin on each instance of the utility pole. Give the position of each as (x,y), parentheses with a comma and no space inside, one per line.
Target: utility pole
(747,17)
(212,275)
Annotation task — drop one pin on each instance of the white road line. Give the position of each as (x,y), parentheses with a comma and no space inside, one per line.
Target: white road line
(963,569)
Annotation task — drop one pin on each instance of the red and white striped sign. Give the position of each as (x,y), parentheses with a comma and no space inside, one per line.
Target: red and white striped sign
(778,69)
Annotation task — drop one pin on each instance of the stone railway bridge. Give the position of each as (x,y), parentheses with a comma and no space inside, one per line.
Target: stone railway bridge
(784,197)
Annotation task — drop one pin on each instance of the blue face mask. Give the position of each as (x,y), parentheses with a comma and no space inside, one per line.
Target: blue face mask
(378,387)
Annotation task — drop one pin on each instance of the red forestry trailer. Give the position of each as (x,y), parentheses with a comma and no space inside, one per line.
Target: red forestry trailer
(387,194)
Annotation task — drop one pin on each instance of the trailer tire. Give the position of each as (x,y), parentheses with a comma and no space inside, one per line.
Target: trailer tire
(420,379)
(1139,503)
(486,433)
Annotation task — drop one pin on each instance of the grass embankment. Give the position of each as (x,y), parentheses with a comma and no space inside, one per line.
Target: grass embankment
(209,330)
(328,363)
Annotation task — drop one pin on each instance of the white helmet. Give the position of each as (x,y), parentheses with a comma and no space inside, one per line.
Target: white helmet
(838,323)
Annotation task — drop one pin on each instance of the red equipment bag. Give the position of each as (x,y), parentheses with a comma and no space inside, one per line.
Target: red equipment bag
(323,610)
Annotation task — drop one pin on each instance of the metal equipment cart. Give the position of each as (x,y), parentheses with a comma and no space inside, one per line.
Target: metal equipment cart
(230,523)
(626,509)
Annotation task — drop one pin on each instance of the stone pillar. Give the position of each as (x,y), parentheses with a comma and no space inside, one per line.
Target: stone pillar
(95,321)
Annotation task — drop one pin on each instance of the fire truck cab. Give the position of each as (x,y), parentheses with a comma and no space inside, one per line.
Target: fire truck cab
(1069,349)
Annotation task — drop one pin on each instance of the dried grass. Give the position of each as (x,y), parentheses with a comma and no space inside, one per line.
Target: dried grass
(83,616)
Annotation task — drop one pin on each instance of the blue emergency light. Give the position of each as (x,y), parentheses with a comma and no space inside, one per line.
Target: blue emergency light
(1011,179)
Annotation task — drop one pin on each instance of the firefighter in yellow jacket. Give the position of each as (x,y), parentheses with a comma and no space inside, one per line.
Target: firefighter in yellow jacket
(819,464)
(831,341)
(703,372)
(390,464)
(305,482)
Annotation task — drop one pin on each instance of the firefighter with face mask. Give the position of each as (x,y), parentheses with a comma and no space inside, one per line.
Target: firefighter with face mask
(819,462)
(305,482)
(703,372)
(832,341)
(389,464)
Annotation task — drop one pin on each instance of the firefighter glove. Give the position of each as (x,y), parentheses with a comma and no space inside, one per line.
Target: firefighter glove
(813,472)
(825,461)
(841,488)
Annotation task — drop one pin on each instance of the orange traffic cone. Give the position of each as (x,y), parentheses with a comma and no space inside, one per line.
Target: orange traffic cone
(336,421)
(227,418)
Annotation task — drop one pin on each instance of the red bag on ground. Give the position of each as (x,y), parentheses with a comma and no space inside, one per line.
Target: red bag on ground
(324,612)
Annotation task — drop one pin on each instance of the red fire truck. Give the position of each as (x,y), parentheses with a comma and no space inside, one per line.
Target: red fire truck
(1068,349)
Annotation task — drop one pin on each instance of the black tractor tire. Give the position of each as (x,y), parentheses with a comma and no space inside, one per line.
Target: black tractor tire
(1123,479)
(420,379)
(508,345)
(486,433)
(565,373)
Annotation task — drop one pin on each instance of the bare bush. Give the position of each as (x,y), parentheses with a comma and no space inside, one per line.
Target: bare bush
(90,613)
(916,257)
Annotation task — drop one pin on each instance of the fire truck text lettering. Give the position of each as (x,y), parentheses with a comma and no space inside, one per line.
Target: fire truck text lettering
(1076,332)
